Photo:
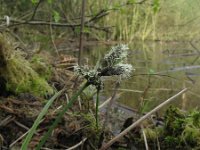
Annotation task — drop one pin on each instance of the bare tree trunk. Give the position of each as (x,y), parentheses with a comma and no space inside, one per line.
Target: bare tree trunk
(81,31)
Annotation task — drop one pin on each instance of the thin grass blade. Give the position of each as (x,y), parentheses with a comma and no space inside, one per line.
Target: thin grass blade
(38,120)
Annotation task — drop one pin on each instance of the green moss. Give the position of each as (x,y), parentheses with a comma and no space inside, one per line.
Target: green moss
(174,121)
(91,131)
(194,118)
(191,132)
(18,72)
(41,67)
(182,128)
(191,135)
(153,134)
(91,124)
(171,141)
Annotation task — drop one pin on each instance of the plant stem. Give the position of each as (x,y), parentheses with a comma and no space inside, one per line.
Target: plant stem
(60,115)
(97,109)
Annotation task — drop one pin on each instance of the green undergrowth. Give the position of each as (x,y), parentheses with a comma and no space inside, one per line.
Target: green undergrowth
(91,129)
(41,67)
(19,73)
(181,130)
(165,20)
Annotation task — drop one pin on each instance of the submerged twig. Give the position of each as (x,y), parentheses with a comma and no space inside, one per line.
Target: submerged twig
(110,105)
(180,69)
(139,121)
(108,100)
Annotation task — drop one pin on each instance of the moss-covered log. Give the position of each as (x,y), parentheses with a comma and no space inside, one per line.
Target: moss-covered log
(18,72)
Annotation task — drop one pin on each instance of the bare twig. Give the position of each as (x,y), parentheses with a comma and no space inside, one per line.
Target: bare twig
(77,145)
(100,14)
(21,137)
(18,139)
(17,37)
(67,97)
(108,100)
(52,40)
(1,140)
(144,94)
(7,120)
(181,69)
(197,50)
(35,9)
(158,143)
(194,47)
(145,138)
(79,103)
(20,125)
(139,121)
(81,31)
(16,22)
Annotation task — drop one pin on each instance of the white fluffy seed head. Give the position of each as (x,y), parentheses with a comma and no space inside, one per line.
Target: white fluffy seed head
(126,69)
(116,55)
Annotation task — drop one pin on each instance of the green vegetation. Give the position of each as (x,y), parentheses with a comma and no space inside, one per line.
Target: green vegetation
(112,64)
(38,121)
(18,72)
(41,67)
(180,130)
(56,27)
(116,20)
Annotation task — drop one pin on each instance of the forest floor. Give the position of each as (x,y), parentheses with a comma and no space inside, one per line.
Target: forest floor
(77,129)
(19,111)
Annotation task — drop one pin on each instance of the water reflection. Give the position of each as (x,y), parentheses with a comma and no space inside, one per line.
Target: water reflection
(162,69)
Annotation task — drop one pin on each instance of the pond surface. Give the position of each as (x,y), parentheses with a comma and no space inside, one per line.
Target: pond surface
(162,69)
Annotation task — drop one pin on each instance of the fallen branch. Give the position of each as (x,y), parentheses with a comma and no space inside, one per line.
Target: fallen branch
(16,22)
(102,13)
(139,121)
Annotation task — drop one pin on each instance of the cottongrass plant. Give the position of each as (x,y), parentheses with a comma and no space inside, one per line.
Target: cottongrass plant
(114,63)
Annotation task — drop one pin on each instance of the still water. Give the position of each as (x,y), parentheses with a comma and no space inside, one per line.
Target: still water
(162,69)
